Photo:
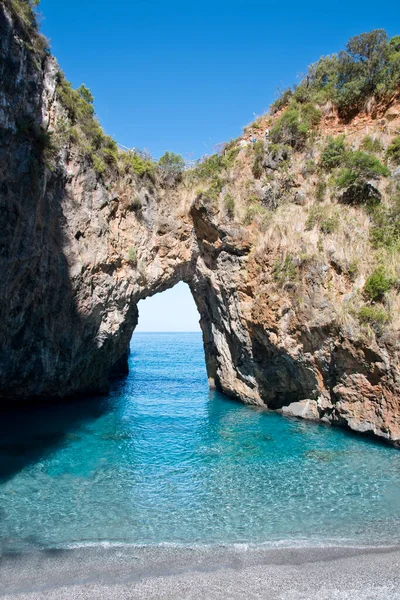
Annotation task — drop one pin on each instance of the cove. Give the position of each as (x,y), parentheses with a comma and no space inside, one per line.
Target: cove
(165,460)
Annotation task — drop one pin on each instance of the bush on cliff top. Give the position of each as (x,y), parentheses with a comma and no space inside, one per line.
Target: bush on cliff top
(369,66)
(138,163)
(172,163)
(24,11)
(86,133)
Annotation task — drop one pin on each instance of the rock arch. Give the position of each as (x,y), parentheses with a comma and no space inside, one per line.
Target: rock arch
(77,254)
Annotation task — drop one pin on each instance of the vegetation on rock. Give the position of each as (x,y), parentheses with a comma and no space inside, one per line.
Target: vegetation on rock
(368,67)
(377,284)
(393,151)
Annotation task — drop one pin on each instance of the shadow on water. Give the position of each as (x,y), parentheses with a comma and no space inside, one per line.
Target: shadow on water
(29,433)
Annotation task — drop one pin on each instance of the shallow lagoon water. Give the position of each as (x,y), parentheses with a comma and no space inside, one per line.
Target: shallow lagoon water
(164,460)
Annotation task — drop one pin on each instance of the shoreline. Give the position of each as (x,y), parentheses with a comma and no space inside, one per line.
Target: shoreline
(234,572)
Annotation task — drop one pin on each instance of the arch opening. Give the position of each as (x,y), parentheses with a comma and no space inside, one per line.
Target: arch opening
(173,310)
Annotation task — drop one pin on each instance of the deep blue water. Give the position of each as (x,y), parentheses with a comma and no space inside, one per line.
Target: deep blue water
(163,459)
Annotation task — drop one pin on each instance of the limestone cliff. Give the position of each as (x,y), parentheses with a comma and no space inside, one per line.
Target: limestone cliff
(277,263)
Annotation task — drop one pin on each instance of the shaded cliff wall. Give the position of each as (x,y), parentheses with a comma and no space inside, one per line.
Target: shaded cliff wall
(68,290)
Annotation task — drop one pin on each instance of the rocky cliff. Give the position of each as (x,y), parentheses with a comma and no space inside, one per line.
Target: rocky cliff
(278,256)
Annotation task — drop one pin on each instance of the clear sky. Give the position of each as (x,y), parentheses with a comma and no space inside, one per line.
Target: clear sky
(184,76)
(172,310)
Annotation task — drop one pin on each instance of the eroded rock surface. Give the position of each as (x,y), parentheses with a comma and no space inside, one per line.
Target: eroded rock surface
(77,253)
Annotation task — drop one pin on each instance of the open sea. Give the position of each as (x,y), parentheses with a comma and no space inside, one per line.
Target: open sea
(163,460)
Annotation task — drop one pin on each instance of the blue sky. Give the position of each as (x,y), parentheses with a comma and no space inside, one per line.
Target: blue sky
(185,76)
(172,310)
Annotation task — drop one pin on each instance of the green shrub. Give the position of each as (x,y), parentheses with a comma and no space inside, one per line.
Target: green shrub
(358,168)
(310,115)
(215,188)
(25,13)
(329,224)
(257,168)
(84,131)
(231,145)
(138,164)
(85,94)
(132,256)
(254,210)
(352,269)
(333,154)
(75,102)
(385,230)
(283,100)
(318,216)
(361,70)
(94,134)
(393,151)
(313,218)
(365,165)
(229,204)
(258,147)
(42,142)
(370,144)
(310,167)
(171,163)
(320,190)
(210,167)
(345,178)
(302,94)
(295,124)
(373,315)
(99,165)
(229,157)
(284,270)
(377,284)
(369,66)
(110,156)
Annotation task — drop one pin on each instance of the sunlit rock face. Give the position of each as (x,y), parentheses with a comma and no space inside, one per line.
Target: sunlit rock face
(77,253)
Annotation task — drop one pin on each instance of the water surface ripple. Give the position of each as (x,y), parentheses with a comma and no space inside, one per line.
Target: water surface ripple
(163,460)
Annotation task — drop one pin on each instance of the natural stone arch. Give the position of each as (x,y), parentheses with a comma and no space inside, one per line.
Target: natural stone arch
(77,253)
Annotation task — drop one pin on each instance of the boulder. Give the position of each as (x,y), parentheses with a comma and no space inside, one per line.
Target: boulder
(300,198)
(304,409)
(396,173)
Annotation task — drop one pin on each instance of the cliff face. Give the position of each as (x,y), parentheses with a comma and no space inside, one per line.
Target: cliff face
(79,250)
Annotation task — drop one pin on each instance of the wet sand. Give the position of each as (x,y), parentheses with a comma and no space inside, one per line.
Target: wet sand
(327,573)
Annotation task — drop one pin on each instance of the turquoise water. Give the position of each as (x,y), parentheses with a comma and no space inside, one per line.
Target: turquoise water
(163,460)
